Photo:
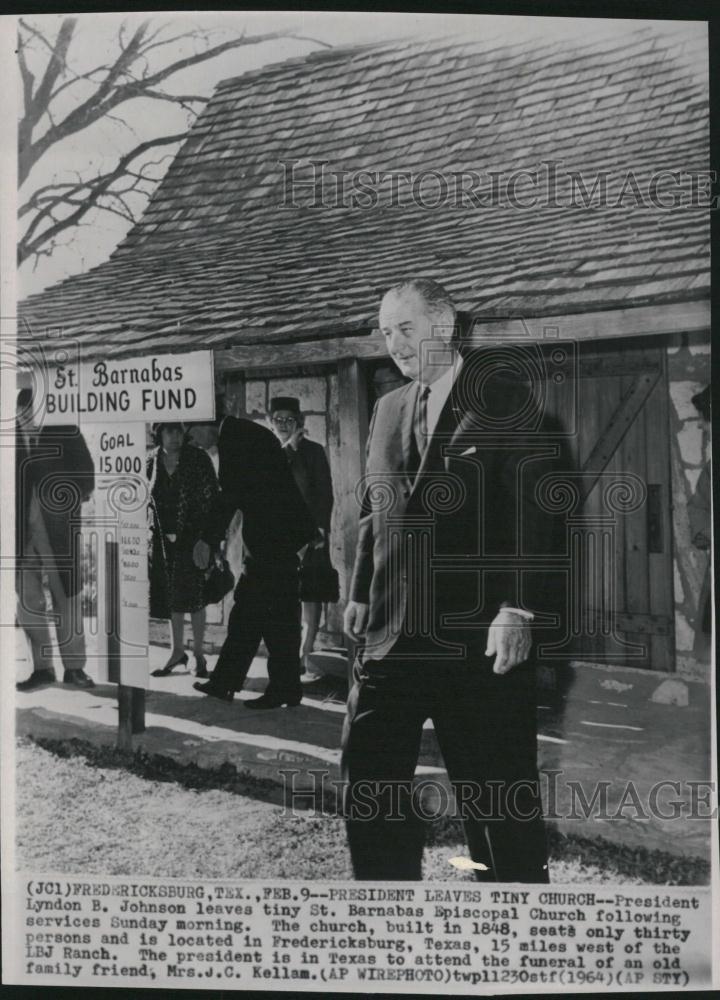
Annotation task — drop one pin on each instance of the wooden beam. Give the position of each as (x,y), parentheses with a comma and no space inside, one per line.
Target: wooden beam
(124,733)
(617,428)
(306,353)
(638,321)
(683,317)
(626,622)
(615,364)
(137,710)
(131,714)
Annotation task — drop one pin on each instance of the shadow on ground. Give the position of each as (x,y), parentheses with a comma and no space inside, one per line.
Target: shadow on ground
(652,866)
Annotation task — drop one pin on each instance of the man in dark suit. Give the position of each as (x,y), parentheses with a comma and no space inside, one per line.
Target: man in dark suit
(448,576)
(311,471)
(255,479)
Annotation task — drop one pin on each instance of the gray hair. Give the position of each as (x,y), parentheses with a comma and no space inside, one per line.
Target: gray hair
(436,296)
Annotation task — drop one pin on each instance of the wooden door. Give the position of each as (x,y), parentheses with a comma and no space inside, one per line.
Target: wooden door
(620,602)
(620,535)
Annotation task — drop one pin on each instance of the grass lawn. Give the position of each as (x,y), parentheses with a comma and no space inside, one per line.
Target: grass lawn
(81,810)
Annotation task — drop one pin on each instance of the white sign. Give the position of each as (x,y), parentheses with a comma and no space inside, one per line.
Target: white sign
(120,525)
(171,387)
(112,402)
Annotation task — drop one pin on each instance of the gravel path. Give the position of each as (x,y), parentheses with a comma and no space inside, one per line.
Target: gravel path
(79,819)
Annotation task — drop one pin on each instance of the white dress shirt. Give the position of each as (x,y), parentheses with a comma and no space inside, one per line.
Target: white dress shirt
(439,392)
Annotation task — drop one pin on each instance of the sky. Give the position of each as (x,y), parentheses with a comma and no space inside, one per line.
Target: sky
(96,43)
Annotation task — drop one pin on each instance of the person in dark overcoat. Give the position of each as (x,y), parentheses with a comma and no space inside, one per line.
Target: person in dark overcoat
(256,481)
(54,476)
(311,471)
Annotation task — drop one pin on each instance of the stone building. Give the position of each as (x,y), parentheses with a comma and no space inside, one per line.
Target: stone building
(542,176)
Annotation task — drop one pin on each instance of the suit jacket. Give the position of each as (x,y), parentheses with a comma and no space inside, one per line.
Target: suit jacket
(311,471)
(444,543)
(255,478)
(58,468)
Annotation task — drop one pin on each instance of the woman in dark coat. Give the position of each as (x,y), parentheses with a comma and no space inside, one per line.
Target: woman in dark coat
(183,486)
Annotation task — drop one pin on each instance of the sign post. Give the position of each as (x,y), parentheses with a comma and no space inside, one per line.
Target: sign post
(122,499)
(112,402)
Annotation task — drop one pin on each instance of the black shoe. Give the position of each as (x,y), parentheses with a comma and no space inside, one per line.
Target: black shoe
(169,667)
(78,679)
(274,701)
(201,669)
(214,691)
(38,679)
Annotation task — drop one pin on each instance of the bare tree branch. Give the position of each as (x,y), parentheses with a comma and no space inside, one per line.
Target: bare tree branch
(124,211)
(212,53)
(183,100)
(150,42)
(36,33)
(97,187)
(315,41)
(78,78)
(112,91)
(37,102)
(82,116)
(149,163)
(28,78)
(131,74)
(56,64)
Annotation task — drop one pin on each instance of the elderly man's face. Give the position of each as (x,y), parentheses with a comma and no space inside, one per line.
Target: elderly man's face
(284,423)
(409,327)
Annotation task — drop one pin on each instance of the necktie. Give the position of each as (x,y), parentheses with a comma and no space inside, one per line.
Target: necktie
(421,425)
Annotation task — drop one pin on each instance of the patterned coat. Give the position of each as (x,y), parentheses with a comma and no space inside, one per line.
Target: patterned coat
(176,585)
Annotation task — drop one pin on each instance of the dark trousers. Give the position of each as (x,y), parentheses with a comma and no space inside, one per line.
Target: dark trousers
(266,607)
(486,728)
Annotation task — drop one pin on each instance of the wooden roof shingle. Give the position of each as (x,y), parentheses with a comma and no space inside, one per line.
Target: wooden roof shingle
(218,259)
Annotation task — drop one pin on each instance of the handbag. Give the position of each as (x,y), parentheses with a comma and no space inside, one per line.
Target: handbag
(219,581)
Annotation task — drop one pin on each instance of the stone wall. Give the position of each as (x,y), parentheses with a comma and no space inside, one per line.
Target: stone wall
(688,373)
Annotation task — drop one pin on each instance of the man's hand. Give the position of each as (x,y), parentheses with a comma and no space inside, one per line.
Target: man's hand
(509,641)
(295,438)
(355,620)
(201,555)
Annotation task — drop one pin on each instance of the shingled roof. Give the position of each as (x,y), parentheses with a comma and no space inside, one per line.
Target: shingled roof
(217,259)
